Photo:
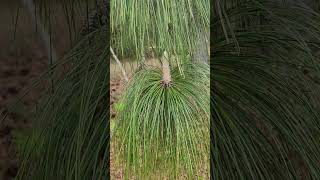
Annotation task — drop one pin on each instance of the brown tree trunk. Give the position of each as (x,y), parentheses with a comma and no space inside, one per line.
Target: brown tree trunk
(166,74)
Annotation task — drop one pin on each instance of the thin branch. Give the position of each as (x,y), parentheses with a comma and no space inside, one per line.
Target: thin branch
(119,64)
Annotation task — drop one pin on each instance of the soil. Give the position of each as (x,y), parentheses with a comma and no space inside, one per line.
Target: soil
(13,79)
(116,87)
(21,62)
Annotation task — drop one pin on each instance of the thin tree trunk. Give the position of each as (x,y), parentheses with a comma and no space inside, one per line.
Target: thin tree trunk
(166,74)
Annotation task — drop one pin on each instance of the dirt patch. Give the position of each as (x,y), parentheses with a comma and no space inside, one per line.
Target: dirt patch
(16,73)
(116,88)
(115,91)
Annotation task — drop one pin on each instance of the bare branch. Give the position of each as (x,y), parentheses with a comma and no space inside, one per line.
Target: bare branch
(119,64)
